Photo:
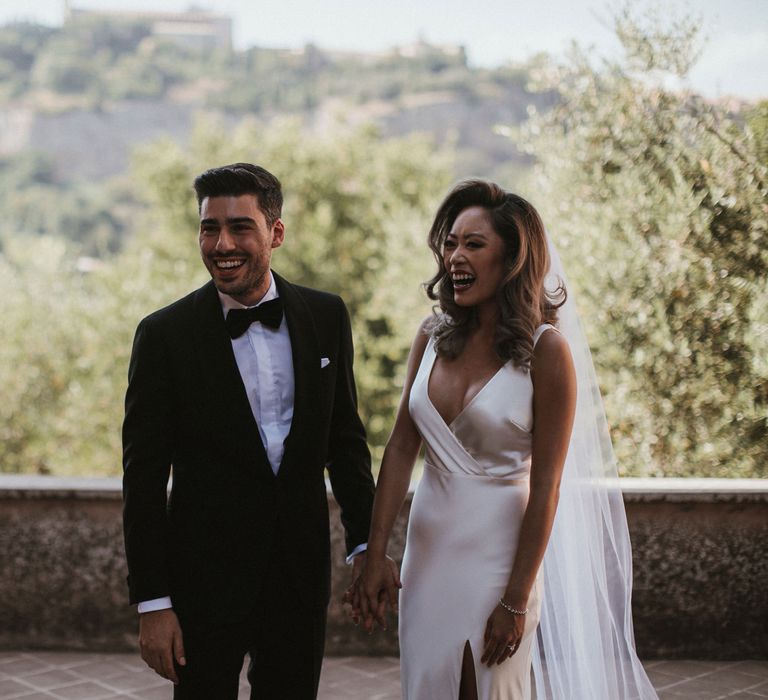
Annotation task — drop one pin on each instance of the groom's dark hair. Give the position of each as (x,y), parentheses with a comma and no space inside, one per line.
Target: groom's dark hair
(242,178)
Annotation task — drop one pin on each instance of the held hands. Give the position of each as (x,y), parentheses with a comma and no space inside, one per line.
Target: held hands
(375,583)
(160,642)
(503,634)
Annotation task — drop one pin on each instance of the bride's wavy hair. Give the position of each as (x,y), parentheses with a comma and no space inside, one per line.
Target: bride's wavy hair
(524,302)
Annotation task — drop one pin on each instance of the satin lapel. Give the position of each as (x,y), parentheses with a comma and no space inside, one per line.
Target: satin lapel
(223,396)
(306,369)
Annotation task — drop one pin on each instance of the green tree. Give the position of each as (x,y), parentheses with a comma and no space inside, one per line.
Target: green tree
(51,413)
(657,200)
(19,44)
(92,216)
(757,120)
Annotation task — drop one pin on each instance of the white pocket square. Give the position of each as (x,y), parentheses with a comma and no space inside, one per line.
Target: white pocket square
(324,362)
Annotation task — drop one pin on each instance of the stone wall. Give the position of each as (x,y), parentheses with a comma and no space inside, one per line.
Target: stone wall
(700,568)
(700,552)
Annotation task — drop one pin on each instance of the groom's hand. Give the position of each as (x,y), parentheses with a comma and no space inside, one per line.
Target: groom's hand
(160,642)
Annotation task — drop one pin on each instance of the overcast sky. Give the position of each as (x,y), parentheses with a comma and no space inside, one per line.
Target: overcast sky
(734,62)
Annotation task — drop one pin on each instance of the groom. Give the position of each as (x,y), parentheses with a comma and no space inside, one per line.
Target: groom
(244,388)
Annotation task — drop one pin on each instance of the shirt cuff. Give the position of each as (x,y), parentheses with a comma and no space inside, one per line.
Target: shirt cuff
(155,604)
(357,550)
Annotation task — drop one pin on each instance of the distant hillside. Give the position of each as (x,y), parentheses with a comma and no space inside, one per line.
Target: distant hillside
(86,93)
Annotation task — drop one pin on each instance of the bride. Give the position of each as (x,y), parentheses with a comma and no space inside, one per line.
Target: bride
(517,553)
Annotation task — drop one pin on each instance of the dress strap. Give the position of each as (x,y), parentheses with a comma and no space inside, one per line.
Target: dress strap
(540,331)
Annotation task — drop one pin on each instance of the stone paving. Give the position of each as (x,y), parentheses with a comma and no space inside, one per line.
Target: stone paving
(89,676)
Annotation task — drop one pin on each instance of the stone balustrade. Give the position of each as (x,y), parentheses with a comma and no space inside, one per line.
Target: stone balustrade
(700,568)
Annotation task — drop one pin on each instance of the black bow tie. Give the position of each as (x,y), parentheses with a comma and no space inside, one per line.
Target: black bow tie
(270,313)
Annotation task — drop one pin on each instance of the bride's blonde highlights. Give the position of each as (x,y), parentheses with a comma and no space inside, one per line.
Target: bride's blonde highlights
(524,303)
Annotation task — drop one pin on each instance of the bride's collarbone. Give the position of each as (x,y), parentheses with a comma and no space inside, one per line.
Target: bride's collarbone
(469,368)
(454,383)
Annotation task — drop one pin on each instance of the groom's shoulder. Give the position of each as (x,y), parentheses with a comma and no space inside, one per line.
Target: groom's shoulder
(318,296)
(181,311)
(318,300)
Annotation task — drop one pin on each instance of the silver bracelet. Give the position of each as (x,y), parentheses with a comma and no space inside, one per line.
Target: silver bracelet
(510,609)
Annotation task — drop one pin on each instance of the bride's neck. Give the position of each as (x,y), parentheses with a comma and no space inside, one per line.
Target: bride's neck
(487,319)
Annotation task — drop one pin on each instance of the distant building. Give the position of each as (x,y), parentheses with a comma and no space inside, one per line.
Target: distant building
(418,49)
(194,27)
(422,47)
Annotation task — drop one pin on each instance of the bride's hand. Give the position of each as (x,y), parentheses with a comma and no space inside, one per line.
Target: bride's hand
(378,586)
(503,634)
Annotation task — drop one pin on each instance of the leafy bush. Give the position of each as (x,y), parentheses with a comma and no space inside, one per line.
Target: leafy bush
(657,200)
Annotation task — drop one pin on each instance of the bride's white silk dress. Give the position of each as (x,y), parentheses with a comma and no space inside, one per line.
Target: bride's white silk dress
(462,537)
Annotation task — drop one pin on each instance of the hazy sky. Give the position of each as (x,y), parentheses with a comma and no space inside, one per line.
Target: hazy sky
(734,62)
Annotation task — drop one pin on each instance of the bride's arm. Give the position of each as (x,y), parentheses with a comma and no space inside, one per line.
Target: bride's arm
(554,404)
(391,488)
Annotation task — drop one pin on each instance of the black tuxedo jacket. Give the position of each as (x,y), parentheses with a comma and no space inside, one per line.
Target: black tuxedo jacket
(228,515)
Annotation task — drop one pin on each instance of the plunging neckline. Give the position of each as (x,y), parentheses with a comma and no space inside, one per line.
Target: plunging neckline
(469,403)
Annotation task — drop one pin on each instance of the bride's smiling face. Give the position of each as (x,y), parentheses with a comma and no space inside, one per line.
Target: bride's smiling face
(473,255)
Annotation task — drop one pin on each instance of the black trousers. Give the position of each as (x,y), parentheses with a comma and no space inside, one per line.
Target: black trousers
(284,639)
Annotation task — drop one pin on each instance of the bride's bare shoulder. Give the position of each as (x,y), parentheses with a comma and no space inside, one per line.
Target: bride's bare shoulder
(552,361)
(421,338)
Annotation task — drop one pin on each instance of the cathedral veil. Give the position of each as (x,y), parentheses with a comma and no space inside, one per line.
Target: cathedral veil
(585,647)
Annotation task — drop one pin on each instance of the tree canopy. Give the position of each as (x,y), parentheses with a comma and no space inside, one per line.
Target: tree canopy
(657,200)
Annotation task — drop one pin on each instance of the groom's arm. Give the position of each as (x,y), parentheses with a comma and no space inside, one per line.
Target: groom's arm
(147,455)
(349,460)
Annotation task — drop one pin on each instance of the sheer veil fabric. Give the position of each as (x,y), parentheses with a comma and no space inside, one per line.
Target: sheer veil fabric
(585,648)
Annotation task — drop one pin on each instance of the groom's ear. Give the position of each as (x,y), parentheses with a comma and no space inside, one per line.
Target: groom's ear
(278,233)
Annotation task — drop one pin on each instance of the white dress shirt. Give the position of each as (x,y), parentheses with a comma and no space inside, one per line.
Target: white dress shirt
(264,358)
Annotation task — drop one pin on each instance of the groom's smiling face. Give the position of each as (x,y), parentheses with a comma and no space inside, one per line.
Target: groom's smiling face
(236,242)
